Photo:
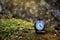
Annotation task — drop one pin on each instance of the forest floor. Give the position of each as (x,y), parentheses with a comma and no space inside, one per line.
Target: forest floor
(17,29)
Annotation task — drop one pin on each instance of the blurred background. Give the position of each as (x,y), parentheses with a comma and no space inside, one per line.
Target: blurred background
(17,18)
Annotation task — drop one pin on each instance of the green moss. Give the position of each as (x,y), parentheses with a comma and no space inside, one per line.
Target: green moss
(14,24)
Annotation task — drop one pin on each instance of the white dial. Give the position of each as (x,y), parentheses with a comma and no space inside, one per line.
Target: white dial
(39,25)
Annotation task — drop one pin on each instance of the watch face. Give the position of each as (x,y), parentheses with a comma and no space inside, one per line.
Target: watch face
(39,25)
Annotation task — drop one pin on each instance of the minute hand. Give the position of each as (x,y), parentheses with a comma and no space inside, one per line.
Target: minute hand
(40,25)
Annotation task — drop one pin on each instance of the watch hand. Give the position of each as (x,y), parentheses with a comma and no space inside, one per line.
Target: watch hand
(40,25)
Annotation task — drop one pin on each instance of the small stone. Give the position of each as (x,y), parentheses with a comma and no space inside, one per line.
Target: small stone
(0,8)
(54,34)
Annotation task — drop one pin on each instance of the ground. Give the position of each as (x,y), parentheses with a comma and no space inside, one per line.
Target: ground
(17,29)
